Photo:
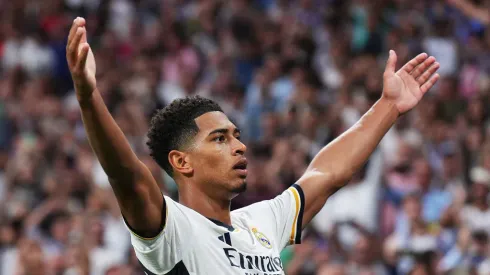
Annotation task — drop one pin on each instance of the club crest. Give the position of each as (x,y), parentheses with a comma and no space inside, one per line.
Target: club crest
(262,238)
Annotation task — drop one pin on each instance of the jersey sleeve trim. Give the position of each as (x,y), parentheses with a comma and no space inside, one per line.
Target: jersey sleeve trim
(299,199)
(162,228)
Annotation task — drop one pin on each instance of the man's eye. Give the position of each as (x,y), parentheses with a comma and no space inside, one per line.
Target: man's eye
(239,137)
(219,139)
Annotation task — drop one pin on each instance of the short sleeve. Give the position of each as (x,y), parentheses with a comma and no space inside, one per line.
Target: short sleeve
(161,254)
(283,215)
(288,208)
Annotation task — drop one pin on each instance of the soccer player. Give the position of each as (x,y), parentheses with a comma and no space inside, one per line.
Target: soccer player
(196,144)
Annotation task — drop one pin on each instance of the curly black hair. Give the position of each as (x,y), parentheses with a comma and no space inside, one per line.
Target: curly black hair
(173,127)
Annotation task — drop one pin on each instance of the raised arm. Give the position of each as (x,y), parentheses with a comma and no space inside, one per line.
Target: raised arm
(469,9)
(336,163)
(137,192)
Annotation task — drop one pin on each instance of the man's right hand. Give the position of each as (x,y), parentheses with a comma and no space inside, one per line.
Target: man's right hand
(138,194)
(81,60)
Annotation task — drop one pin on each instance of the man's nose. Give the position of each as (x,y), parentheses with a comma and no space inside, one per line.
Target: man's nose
(239,148)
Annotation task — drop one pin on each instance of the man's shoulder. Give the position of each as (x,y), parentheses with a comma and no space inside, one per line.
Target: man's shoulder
(171,203)
(179,211)
(251,207)
(265,207)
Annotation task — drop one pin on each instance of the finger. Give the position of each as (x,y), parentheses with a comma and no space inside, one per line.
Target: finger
(420,69)
(73,47)
(73,29)
(78,22)
(414,62)
(84,36)
(429,84)
(428,73)
(391,63)
(82,57)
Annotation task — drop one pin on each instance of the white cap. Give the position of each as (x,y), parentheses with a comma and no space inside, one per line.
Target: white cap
(480,175)
(423,243)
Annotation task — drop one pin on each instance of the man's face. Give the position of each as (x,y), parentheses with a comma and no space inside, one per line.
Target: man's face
(423,173)
(450,166)
(362,250)
(412,208)
(480,191)
(60,229)
(217,156)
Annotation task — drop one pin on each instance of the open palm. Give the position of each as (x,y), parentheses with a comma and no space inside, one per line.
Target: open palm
(80,59)
(409,84)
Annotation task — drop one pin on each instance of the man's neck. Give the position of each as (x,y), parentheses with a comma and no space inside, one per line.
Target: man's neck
(205,205)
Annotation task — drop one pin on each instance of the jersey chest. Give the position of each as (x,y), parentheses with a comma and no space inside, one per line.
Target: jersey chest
(241,251)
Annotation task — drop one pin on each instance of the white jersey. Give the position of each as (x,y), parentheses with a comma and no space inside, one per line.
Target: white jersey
(193,244)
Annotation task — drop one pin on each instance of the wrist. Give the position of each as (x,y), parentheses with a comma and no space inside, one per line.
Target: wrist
(389,105)
(85,99)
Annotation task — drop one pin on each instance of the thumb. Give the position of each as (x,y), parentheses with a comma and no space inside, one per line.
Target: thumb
(391,63)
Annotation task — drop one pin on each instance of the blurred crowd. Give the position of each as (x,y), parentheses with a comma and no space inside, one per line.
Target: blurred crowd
(293,75)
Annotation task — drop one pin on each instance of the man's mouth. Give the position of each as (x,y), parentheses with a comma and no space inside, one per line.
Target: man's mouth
(241,167)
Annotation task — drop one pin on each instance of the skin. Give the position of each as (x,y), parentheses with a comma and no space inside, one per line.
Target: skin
(469,9)
(204,171)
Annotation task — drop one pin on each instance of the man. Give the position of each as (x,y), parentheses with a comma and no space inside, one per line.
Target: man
(200,148)
(471,10)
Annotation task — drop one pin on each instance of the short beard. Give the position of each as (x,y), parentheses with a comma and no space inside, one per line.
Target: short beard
(240,189)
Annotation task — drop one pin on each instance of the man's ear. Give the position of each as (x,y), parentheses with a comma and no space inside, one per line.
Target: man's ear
(180,162)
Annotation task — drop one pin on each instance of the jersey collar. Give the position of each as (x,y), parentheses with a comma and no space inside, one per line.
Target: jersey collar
(229,227)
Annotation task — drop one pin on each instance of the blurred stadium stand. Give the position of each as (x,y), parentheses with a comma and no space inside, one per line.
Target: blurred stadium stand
(293,75)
